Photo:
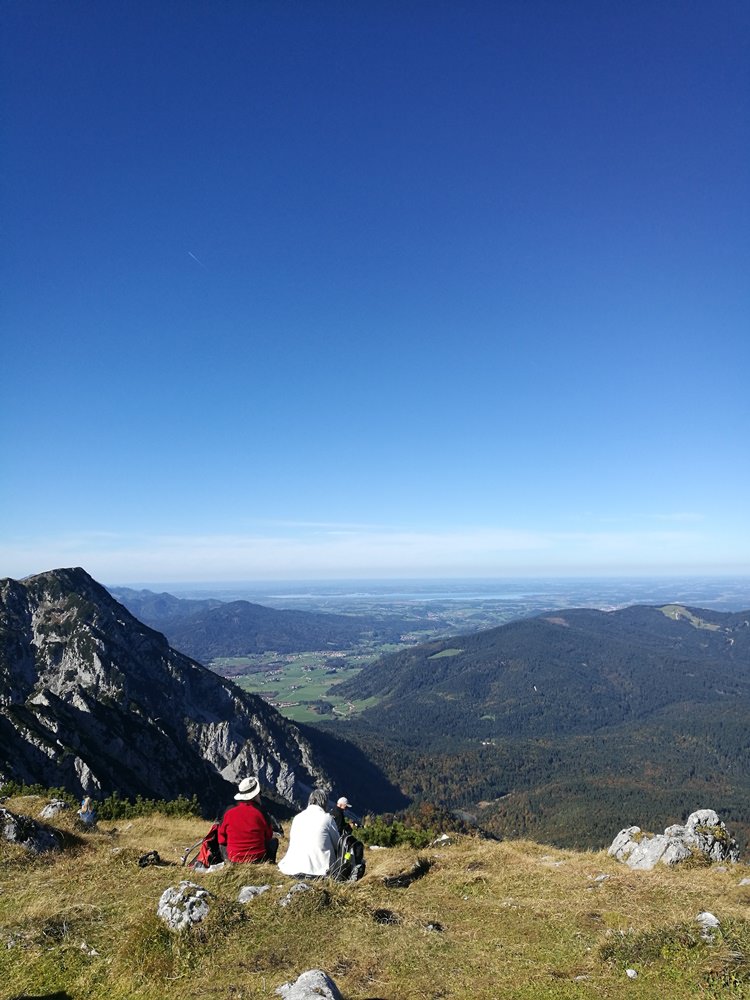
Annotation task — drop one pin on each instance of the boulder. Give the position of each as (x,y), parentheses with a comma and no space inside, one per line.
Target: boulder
(53,808)
(703,834)
(36,837)
(183,905)
(310,985)
(624,843)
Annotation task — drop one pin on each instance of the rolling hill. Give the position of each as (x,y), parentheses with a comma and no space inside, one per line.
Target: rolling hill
(209,629)
(568,725)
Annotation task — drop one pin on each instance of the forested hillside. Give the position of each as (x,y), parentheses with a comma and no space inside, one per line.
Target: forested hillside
(209,629)
(570,725)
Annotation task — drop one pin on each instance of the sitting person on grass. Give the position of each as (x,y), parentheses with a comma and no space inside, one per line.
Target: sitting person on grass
(87,812)
(313,839)
(245,834)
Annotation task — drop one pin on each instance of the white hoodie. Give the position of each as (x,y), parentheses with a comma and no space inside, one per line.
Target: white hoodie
(313,838)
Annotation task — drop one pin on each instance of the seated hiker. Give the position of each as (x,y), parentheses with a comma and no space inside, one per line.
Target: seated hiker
(339,815)
(245,833)
(87,812)
(312,839)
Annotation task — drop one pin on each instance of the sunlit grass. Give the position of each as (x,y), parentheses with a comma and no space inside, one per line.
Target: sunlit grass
(486,920)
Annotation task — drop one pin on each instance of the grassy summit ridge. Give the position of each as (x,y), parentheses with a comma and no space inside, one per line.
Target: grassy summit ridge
(516,920)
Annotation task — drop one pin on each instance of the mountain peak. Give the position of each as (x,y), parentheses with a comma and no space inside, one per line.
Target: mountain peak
(92,699)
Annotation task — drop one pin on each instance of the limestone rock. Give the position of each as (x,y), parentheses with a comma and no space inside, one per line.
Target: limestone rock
(703,833)
(248,892)
(93,700)
(35,837)
(311,985)
(182,906)
(709,925)
(624,843)
(53,808)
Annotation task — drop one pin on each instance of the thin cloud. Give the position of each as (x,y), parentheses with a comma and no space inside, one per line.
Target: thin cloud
(340,551)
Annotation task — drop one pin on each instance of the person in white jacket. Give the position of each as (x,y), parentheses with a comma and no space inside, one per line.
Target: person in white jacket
(313,839)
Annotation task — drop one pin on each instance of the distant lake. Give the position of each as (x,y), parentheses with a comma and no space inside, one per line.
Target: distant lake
(721,593)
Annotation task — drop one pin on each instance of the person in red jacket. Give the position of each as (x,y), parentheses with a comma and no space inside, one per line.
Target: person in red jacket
(245,833)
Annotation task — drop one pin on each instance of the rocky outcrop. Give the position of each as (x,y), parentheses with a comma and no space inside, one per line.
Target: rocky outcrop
(704,834)
(36,838)
(93,700)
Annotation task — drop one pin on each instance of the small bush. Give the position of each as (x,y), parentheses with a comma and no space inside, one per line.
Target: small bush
(395,834)
(114,806)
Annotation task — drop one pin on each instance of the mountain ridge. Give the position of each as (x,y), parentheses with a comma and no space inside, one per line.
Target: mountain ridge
(93,699)
(208,629)
(565,725)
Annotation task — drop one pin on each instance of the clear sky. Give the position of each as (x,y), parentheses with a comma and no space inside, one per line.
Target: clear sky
(344,289)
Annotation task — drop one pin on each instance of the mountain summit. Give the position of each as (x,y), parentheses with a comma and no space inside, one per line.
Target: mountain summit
(92,699)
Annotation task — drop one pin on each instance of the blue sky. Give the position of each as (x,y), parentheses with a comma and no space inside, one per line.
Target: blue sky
(330,289)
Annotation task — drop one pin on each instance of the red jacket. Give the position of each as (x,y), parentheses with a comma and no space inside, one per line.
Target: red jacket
(245,832)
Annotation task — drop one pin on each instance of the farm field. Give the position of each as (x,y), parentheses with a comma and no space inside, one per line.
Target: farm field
(302,686)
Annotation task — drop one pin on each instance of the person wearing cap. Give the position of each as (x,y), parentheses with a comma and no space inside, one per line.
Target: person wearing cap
(245,833)
(313,839)
(339,815)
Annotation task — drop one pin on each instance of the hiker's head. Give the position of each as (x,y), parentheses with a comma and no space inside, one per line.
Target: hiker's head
(249,789)
(318,797)
(344,803)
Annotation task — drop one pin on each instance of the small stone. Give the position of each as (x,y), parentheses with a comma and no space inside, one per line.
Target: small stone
(631,973)
(248,892)
(311,985)
(296,888)
(744,881)
(709,925)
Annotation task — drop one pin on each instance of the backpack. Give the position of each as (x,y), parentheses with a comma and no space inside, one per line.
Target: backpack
(208,851)
(349,863)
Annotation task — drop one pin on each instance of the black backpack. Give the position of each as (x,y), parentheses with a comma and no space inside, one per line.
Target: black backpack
(349,863)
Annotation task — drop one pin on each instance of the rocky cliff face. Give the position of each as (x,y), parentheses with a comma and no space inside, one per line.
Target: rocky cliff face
(92,699)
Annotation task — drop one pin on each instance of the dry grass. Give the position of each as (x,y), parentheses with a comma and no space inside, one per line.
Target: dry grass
(486,921)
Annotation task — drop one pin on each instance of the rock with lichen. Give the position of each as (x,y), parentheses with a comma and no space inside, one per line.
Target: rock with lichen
(703,835)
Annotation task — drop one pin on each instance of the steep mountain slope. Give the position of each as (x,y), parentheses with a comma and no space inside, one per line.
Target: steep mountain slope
(209,629)
(94,700)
